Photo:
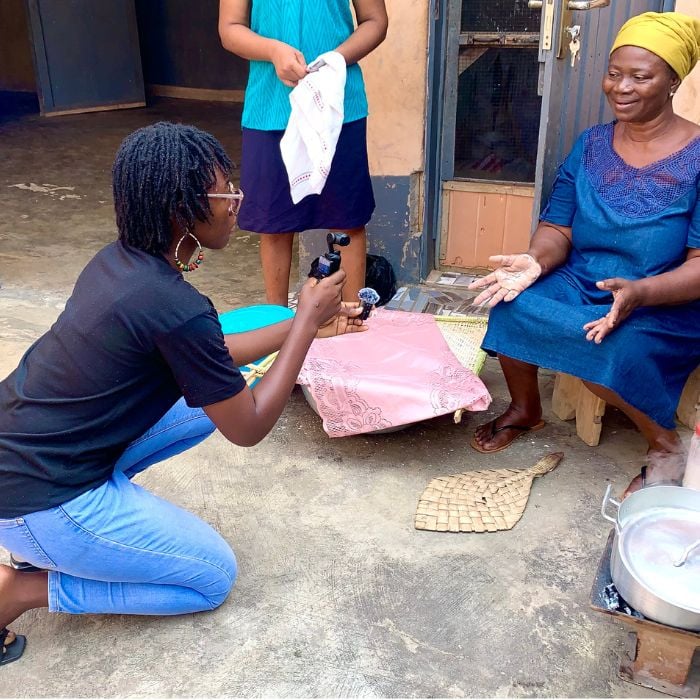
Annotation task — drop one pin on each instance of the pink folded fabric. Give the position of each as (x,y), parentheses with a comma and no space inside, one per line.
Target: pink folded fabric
(398,372)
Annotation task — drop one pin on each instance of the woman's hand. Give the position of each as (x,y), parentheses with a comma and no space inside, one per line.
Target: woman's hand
(320,301)
(345,321)
(626,298)
(514,274)
(289,64)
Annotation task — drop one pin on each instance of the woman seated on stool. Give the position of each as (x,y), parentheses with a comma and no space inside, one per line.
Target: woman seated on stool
(99,398)
(608,290)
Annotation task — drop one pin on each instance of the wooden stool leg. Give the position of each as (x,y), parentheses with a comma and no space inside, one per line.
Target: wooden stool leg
(661,660)
(589,416)
(565,396)
(571,399)
(689,405)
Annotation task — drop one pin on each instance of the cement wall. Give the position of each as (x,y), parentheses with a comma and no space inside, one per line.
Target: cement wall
(395,76)
(687,99)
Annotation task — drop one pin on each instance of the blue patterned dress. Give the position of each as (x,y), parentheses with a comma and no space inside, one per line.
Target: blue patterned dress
(626,222)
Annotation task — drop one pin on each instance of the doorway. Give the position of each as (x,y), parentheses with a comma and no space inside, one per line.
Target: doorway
(507,105)
(79,56)
(490,131)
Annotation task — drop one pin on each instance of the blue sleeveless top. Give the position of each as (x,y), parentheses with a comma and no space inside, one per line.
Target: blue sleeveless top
(312,27)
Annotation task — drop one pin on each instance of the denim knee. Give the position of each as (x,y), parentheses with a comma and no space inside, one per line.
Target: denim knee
(227,570)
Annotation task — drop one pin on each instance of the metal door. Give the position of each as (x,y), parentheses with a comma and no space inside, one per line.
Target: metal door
(572,99)
(86,55)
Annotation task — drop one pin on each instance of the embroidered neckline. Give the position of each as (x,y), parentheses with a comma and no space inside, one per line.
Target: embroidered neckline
(656,163)
(638,192)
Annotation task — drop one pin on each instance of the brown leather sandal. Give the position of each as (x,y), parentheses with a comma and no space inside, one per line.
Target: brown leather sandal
(521,430)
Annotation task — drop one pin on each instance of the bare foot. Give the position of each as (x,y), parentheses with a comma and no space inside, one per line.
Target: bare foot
(20,592)
(633,486)
(664,467)
(493,436)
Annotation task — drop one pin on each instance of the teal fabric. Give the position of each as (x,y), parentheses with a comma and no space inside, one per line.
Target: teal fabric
(250,318)
(312,27)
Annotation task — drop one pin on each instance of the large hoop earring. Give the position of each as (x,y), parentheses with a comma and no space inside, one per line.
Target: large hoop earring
(189,266)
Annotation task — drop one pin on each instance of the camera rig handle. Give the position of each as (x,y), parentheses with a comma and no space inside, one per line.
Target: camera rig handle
(329,262)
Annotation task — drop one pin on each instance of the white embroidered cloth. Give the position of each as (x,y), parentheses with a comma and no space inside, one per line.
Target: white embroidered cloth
(309,142)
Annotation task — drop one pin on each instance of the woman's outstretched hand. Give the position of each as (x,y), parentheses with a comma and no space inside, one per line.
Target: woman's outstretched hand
(345,321)
(626,298)
(513,274)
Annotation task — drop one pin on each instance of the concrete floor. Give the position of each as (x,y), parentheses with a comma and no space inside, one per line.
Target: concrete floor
(338,595)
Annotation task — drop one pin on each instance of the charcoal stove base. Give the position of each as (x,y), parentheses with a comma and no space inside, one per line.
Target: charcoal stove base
(656,656)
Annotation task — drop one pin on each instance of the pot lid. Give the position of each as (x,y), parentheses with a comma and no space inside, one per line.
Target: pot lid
(653,544)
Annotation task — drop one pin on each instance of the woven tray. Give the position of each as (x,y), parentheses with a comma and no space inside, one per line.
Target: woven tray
(479,501)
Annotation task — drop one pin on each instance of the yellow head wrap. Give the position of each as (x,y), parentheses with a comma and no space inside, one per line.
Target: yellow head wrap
(670,35)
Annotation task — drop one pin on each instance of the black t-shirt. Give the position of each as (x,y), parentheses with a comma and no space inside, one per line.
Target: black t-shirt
(134,337)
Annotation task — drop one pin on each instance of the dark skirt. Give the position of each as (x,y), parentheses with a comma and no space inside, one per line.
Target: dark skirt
(346,202)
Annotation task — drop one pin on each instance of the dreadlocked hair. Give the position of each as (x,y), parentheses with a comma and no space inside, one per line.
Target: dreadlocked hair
(162,173)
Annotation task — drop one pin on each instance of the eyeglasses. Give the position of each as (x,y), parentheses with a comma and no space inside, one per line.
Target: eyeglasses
(235,197)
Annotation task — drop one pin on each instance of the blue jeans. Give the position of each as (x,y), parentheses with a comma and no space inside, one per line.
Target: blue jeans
(118,548)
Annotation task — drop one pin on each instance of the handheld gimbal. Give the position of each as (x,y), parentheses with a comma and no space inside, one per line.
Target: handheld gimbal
(329,262)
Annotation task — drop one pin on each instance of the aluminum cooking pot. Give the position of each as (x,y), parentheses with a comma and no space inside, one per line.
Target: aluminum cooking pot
(655,560)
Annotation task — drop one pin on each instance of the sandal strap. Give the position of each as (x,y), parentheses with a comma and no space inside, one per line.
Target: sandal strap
(524,428)
(23,565)
(6,638)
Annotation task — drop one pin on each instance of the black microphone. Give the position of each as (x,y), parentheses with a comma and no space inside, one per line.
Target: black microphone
(369,298)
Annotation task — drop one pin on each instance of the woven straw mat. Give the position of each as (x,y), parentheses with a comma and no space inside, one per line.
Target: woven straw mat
(253,371)
(479,501)
(464,335)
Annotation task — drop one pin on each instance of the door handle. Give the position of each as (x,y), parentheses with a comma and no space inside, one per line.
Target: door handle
(586,4)
(569,6)
(573,4)
(547,22)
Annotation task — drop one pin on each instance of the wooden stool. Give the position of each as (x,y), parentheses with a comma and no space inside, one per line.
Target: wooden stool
(571,399)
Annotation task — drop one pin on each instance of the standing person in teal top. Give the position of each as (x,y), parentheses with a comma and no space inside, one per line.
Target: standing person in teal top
(280,37)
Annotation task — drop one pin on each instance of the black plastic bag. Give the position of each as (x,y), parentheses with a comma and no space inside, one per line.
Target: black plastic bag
(379,275)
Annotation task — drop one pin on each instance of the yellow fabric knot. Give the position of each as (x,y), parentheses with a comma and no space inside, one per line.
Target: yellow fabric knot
(673,36)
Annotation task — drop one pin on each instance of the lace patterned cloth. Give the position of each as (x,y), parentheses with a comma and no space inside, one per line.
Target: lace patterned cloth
(398,372)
